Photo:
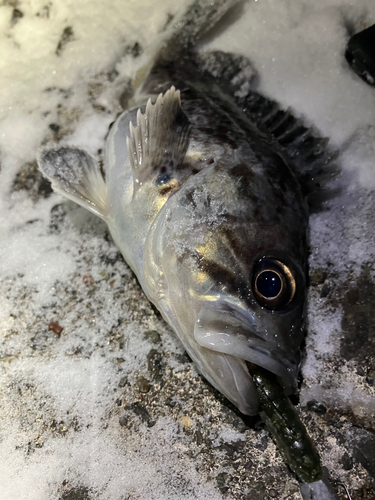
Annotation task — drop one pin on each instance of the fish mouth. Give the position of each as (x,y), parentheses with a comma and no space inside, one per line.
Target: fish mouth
(229,334)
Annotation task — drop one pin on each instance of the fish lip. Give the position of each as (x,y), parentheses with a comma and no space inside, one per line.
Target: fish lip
(243,342)
(261,356)
(280,366)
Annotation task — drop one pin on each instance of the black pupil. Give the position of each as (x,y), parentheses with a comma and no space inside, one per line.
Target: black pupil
(269,284)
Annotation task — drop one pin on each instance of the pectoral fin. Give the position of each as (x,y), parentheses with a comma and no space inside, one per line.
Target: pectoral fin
(76,175)
(159,139)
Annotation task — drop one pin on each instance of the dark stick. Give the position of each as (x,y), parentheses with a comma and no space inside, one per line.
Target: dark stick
(292,439)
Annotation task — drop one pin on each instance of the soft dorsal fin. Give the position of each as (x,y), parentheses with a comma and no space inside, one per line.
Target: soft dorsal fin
(159,139)
(76,175)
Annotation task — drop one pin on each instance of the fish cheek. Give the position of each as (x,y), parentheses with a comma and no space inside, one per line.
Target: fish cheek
(283,329)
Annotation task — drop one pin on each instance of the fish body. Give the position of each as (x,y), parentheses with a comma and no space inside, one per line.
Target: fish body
(203,199)
(201,221)
(207,213)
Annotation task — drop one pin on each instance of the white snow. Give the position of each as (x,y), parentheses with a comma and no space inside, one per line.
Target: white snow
(297,49)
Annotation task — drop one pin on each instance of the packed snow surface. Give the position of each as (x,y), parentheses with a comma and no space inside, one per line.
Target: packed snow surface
(109,407)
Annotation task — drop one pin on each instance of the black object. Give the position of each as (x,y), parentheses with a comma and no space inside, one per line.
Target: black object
(285,426)
(360,54)
(292,439)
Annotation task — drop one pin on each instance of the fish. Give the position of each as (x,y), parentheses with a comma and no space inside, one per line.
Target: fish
(202,193)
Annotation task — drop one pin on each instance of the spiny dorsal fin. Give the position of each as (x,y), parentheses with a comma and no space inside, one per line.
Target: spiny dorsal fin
(159,139)
(301,145)
(76,175)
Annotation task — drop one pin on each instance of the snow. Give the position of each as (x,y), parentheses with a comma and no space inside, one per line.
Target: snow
(59,428)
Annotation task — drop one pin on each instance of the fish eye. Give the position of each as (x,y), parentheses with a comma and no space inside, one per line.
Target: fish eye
(274,284)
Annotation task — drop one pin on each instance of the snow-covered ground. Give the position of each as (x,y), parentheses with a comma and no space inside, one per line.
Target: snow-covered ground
(109,407)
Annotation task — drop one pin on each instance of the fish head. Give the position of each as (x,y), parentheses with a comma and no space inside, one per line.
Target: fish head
(236,275)
(257,317)
(251,309)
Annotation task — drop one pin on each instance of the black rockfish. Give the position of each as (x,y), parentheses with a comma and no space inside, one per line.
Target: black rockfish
(202,196)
